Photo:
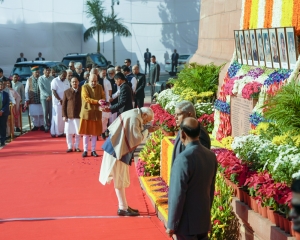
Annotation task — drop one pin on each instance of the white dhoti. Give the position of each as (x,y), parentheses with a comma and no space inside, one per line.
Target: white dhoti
(105,118)
(113,169)
(36,114)
(57,123)
(71,128)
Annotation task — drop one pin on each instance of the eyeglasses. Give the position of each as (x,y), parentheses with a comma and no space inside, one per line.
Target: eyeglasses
(125,62)
(178,114)
(296,207)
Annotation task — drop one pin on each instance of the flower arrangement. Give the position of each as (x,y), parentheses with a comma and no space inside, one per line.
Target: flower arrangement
(222,106)
(203,108)
(251,90)
(149,157)
(103,104)
(163,119)
(222,216)
(207,120)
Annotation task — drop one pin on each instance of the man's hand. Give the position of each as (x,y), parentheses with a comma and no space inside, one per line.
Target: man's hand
(48,98)
(65,119)
(153,129)
(170,232)
(111,99)
(1,113)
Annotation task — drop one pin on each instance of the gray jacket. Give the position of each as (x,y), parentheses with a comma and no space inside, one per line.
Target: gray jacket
(191,191)
(45,86)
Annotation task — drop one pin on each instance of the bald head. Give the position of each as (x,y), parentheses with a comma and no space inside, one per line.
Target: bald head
(191,127)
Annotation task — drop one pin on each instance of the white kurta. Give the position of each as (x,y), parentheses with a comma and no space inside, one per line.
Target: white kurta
(106,115)
(111,168)
(57,123)
(72,126)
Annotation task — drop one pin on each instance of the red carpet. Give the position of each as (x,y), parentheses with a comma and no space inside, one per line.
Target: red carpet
(46,193)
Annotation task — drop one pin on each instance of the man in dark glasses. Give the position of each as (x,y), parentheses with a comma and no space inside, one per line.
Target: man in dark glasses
(295,211)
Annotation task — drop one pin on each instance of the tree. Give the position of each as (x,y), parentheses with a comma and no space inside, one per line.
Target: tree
(102,22)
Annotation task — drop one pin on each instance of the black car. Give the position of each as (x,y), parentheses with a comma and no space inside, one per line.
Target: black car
(85,59)
(23,69)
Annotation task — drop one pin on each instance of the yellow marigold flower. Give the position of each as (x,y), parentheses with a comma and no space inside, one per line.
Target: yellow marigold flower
(263,126)
(279,140)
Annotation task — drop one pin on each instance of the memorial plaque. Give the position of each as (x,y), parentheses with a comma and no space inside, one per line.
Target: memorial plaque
(241,110)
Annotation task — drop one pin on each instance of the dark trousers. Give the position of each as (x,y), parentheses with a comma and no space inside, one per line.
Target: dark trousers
(174,65)
(3,121)
(203,236)
(147,63)
(139,102)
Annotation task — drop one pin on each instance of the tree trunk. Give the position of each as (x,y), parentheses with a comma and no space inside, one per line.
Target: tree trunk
(98,41)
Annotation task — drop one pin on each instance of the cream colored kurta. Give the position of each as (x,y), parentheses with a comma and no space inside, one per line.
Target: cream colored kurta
(126,133)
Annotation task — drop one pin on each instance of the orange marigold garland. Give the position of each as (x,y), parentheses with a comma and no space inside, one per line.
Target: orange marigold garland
(247,13)
(268,13)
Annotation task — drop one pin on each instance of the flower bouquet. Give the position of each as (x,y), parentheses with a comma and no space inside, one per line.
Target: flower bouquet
(103,104)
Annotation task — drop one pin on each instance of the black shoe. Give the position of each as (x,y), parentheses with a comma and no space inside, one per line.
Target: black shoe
(93,153)
(42,128)
(35,128)
(103,136)
(77,150)
(18,129)
(127,212)
(69,150)
(53,136)
(61,135)
(2,144)
(107,133)
(134,210)
(84,154)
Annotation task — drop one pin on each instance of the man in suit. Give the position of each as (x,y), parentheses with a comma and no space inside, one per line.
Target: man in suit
(126,133)
(154,74)
(127,63)
(71,106)
(90,115)
(40,58)
(21,58)
(78,73)
(139,93)
(4,113)
(295,202)
(192,186)
(125,98)
(174,59)
(183,110)
(147,56)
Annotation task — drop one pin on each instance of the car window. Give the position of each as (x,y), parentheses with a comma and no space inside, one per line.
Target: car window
(66,61)
(21,70)
(99,60)
(182,57)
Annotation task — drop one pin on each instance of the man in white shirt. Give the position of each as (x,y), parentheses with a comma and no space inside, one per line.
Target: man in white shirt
(108,92)
(58,86)
(19,88)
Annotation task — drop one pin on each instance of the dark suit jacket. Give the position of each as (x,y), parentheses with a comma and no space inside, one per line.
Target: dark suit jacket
(191,190)
(71,104)
(147,56)
(79,77)
(5,104)
(175,57)
(179,147)
(19,60)
(140,87)
(125,100)
(37,59)
(154,73)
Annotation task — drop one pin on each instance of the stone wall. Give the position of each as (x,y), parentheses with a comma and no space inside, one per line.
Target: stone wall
(218,19)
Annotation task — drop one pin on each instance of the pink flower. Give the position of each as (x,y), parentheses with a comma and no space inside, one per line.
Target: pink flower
(221,208)
(217,222)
